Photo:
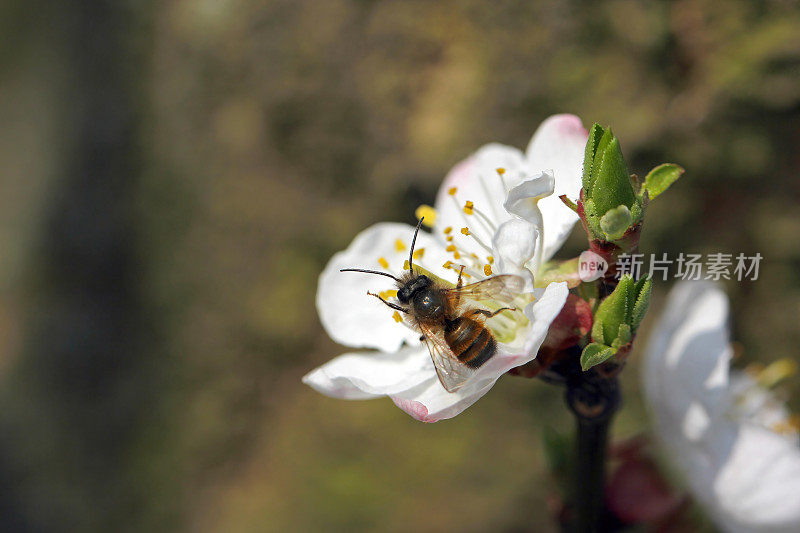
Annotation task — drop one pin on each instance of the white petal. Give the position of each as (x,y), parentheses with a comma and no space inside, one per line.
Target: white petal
(429,402)
(558,144)
(541,313)
(347,313)
(513,246)
(523,199)
(363,375)
(758,485)
(687,356)
(476,180)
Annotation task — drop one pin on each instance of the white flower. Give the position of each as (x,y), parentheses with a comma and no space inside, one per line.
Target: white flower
(490,211)
(730,437)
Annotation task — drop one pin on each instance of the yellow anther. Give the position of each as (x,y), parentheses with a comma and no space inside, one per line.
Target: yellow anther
(474,256)
(383,262)
(790,426)
(418,253)
(399,245)
(427,214)
(501,171)
(487,269)
(388,294)
(447,264)
(456,255)
(448,229)
(449,238)
(452,191)
(469,207)
(490,259)
(406,266)
(465,231)
(776,372)
(397,317)
(451,248)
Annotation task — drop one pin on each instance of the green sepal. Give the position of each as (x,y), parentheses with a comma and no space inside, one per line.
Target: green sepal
(616,222)
(588,291)
(660,178)
(594,354)
(553,271)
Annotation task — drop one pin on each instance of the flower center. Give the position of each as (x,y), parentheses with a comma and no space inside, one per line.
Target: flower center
(757,400)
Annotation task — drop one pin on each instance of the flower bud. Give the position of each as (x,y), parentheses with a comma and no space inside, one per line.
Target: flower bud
(611,205)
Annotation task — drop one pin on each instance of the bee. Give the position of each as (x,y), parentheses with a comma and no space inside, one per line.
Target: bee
(451,319)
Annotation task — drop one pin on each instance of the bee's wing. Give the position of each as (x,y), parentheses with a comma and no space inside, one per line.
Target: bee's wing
(499,289)
(452,372)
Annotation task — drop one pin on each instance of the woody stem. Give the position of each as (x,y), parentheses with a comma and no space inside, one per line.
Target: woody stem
(594,399)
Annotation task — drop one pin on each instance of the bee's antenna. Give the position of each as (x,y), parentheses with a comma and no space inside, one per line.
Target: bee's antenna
(413,242)
(369,272)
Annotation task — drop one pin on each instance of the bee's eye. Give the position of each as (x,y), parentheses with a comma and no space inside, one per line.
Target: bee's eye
(403,295)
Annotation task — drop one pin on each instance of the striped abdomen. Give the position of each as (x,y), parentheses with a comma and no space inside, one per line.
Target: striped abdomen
(470,341)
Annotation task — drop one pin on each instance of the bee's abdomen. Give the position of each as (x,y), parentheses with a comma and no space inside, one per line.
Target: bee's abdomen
(470,341)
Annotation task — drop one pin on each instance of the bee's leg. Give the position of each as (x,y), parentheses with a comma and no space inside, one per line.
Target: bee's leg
(458,285)
(490,314)
(393,306)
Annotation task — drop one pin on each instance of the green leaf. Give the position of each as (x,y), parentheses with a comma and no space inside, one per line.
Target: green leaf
(660,178)
(613,311)
(612,184)
(643,289)
(616,222)
(594,354)
(595,134)
(624,336)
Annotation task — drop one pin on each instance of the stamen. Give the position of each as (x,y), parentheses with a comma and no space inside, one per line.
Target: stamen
(500,173)
(465,231)
(383,262)
(427,214)
(397,317)
(490,225)
(399,246)
(487,269)
(448,229)
(469,207)
(418,253)
(449,238)
(388,294)
(776,372)
(452,191)
(790,426)
(447,264)
(451,248)
(490,259)
(406,266)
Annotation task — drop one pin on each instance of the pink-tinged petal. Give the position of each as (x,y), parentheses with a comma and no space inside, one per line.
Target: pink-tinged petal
(347,313)
(364,375)
(430,402)
(558,145)
(476,180)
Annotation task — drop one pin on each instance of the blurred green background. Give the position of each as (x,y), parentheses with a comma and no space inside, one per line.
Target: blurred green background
(176,175)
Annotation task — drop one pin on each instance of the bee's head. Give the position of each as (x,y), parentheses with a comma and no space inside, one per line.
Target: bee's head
(416,284)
